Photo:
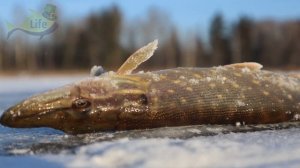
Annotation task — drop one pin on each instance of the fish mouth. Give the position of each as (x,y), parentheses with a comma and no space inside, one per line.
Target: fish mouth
(38,110)
(10,117)
(5,119)
(18,118)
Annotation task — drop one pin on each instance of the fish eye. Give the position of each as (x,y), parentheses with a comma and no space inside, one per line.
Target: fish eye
(144,99)
(81,103)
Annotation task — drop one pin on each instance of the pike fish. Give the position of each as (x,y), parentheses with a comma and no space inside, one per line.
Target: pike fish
(239,93)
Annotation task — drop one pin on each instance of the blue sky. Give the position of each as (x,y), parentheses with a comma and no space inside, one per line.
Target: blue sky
(185,14)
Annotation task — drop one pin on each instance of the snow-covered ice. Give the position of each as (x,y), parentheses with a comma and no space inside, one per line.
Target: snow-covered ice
(192,146)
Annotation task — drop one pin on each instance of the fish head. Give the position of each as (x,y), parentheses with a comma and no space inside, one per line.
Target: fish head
(90,105)
(48,109)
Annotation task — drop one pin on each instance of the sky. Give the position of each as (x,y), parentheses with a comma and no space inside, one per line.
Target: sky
(185,14)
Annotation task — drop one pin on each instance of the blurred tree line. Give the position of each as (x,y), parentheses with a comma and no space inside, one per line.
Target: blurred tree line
(104,38)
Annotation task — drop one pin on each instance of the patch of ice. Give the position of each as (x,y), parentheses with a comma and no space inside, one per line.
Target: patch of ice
(155,77)
(288,112)
(257,149)
(220,68)
(222,79)
(240,103)
(284,82)
(197,131)
(245,70)
(11,112)
(19,151)
(297,116)
(208,79)
(194,81)
(97,70)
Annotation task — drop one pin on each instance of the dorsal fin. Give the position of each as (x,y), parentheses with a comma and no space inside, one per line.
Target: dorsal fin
(254,66)
(137,58)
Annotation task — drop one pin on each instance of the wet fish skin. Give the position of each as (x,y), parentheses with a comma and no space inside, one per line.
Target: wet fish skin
(182,96)
(220,95)
(225,95)
(233,94)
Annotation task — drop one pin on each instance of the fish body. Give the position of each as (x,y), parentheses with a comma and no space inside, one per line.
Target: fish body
(220,95)
(231,94)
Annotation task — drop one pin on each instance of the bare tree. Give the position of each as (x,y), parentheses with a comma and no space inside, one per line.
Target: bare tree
(218,41)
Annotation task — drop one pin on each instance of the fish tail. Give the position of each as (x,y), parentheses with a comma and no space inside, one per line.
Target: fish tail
(11,28)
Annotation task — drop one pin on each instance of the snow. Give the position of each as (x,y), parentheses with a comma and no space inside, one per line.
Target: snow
(246,70)
(97,70)
(231,150)
(208,79)
(155,77)
(191,146)
(194,81)
(240,103)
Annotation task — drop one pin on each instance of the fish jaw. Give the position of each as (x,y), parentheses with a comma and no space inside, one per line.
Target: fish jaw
(39,110)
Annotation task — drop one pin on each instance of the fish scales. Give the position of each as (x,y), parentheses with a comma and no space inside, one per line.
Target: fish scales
(239,93)
(217,96)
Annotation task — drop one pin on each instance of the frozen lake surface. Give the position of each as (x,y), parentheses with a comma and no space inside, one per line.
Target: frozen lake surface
(191,146)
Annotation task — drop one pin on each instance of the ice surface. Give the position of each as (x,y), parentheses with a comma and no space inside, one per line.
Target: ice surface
(191,146)
(257,149)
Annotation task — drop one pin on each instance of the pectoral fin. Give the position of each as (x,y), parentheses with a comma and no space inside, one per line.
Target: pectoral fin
(137,58)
